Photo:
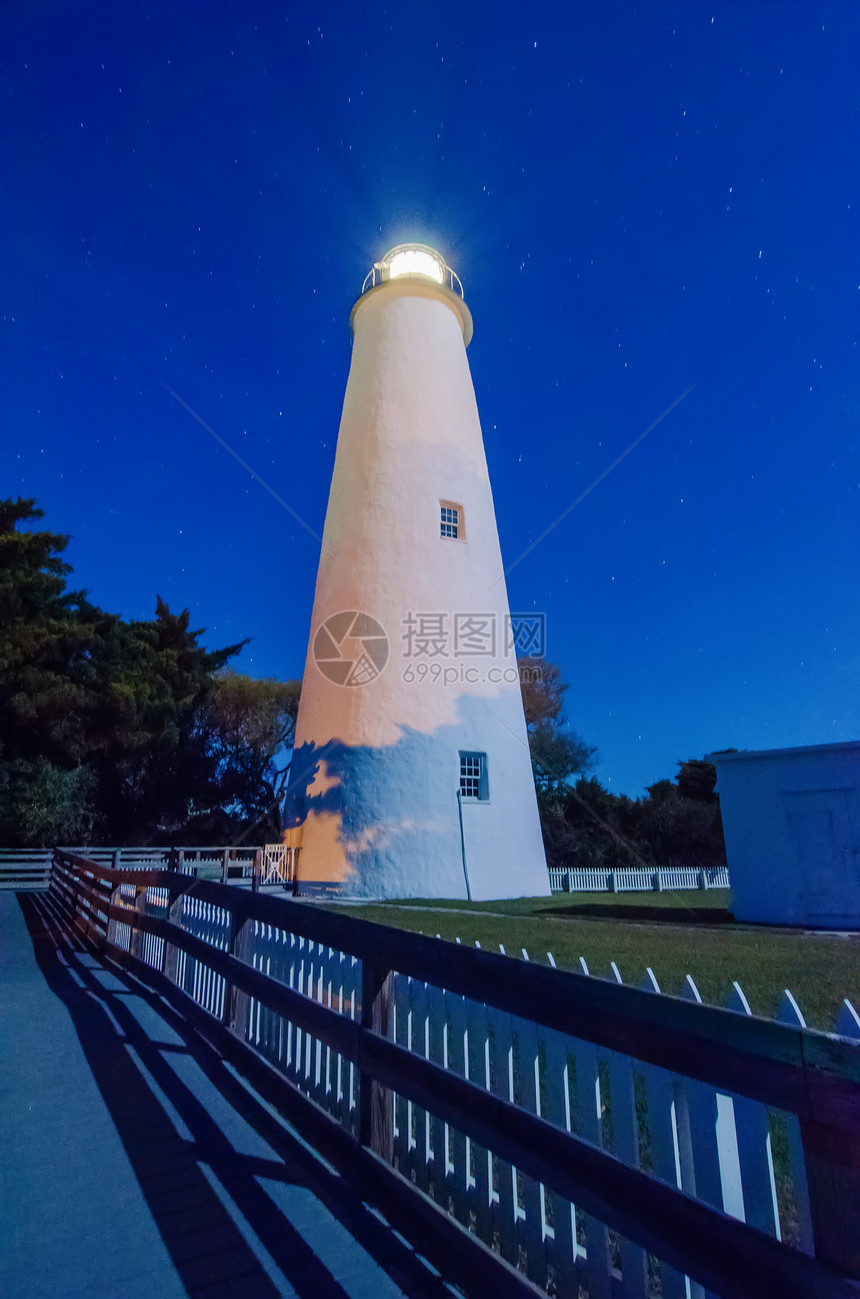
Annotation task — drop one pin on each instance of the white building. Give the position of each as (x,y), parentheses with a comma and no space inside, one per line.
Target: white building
(791,819)
(411,774)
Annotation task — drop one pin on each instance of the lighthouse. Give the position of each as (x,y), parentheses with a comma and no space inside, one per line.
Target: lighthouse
(411,774)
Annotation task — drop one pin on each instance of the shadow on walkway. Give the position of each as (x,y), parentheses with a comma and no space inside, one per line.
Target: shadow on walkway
(242,1205)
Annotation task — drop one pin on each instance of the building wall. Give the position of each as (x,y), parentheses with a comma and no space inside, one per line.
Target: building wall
(376,766)
(791,820)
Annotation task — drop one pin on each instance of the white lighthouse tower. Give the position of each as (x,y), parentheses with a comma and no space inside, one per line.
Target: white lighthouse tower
(411,774)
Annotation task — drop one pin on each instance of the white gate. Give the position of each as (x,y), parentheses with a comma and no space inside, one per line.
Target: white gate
(277,863)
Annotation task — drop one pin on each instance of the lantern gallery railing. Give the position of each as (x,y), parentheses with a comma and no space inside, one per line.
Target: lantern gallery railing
(413,260)
(521,1125)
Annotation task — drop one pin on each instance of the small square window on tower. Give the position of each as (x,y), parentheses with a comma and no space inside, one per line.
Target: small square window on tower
(473,777)
(452,522)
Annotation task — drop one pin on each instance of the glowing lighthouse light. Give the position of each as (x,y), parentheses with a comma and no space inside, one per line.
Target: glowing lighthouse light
(411,774)
(415,261)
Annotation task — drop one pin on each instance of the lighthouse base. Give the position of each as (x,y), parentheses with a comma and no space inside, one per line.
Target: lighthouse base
(388,821)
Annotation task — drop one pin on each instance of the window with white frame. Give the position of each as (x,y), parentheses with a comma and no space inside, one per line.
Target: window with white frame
(473,777)
(451,521)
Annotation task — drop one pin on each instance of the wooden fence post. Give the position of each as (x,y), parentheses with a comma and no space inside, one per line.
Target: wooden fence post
(375,1119)
(110,932)
(225,863)
(73,889)
(234,1000)
(832,1161)
(170,963)
(137,936)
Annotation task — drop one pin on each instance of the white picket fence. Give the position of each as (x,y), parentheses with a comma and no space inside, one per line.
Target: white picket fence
(30,869)
(732,1152)
(717,1147)
(630,880)
(328,976)
(728,1150)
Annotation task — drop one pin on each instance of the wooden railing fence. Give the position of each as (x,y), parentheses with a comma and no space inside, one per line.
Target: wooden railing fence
(524,1126)
(29,869)
(223,863)
(25,869)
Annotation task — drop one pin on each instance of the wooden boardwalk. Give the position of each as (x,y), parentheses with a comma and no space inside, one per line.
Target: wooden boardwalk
(134,1162)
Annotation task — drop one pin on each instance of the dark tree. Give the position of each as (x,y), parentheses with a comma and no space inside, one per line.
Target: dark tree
(249,725)
(99,718)
(46,638)
(680,821)
(158,777)
(557,752)
(542,690)
(697,779)
(583,824)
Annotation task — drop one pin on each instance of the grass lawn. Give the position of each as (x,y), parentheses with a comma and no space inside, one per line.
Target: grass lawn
(696,937)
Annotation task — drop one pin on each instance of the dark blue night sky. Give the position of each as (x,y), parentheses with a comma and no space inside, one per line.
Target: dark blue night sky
(636,197)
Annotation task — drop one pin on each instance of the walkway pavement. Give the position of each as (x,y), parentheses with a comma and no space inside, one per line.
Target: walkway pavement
(133,1163)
